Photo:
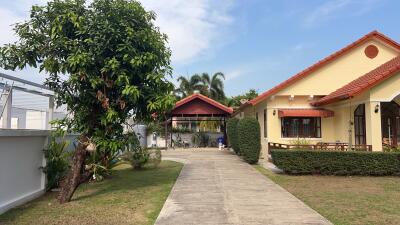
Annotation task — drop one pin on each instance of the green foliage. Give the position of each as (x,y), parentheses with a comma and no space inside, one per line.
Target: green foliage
(234,101)
(336,162)
(201,139)
(248,131)
(57,161)
(210,126)
(100,162)
(187,86)
(155,126)
(300,141)
(212,87)
(155,157)
(181,130)
(106,61)
(231,127)
(388,148)
(134,154)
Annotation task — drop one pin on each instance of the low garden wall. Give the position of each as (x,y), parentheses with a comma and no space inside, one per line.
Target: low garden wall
(21,160)
(337,162)
(21,157)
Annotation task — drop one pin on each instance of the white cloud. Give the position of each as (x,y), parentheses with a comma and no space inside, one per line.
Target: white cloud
(7,19)
(193,27)
(230,75)
(338,8)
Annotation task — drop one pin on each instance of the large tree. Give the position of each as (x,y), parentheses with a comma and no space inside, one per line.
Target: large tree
(187,86)
(234,101)
(106,61)
(214,85)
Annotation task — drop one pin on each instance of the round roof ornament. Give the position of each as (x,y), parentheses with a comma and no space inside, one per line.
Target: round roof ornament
(371,51)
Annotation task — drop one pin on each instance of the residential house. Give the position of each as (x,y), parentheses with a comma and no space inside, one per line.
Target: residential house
(352,97)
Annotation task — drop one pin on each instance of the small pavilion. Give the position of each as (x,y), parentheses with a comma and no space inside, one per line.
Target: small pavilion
(197,107)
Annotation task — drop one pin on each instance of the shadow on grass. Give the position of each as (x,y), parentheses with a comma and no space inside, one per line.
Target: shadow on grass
(125,178)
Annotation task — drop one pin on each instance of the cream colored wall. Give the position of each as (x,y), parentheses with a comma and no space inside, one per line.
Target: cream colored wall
(387,90)
(341,71)
(274,122)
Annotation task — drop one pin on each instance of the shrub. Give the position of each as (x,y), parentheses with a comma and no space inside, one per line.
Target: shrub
(336,162)
(299,141)
(231,127)
(57,161)
(201,139)
(154,157)
(134,154)
(100,162)
(248,132)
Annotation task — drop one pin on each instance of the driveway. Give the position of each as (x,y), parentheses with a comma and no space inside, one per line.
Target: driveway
(217,187)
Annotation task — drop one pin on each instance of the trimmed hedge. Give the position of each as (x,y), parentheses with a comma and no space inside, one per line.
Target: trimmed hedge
(337,163)
(248,131)
(231,130)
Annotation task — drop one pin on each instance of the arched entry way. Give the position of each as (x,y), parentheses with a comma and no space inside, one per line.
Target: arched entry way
(390,115)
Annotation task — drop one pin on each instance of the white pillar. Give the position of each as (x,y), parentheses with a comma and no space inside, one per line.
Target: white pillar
(373,125)
(51,112)
(7,104)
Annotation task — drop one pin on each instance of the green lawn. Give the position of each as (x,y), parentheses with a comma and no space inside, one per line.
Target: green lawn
(346,200)
(128,197)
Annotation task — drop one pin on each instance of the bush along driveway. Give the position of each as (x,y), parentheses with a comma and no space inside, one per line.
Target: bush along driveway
(217,187)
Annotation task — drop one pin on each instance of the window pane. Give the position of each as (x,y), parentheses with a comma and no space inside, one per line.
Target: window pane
(301,127)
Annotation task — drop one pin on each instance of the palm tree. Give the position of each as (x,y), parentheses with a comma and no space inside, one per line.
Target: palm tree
(214,85)
(187,86)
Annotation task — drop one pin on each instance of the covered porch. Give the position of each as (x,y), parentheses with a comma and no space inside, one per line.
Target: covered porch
(196,114)
(368,108)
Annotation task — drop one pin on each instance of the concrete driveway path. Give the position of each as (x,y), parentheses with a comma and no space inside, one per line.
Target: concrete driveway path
(217,187)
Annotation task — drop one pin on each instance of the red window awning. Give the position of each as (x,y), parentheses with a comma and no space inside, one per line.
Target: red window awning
(305,113)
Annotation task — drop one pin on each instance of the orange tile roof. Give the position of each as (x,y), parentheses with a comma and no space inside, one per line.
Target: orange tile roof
(319,64)
(362,83)
(204,98)
(305,113)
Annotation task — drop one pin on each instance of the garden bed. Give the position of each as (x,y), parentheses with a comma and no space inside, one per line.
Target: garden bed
(128,197)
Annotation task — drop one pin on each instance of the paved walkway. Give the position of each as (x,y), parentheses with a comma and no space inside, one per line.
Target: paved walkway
(217,187)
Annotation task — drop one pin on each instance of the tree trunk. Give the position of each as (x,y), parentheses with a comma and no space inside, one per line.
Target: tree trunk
(73,179)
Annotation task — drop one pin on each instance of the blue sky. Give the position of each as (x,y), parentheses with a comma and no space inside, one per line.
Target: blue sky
(256,43)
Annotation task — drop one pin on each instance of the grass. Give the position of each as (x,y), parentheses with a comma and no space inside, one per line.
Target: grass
(128,197)
(346,200)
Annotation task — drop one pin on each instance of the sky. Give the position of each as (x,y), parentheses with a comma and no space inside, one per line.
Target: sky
(255,43)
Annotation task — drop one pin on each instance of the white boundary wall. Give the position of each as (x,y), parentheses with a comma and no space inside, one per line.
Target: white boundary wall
(21,156)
